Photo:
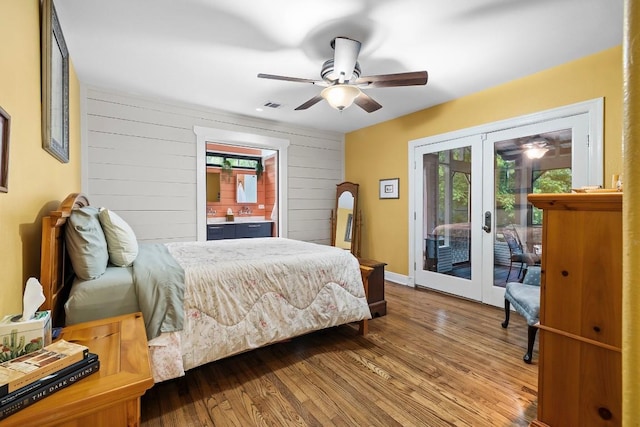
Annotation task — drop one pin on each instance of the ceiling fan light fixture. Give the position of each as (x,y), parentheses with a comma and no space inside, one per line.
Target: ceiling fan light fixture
(536,148)
(340,96)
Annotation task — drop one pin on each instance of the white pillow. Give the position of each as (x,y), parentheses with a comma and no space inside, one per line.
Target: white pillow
(121,240)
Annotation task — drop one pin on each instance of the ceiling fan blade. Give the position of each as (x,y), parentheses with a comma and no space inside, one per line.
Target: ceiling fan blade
(288,79)
(313,101)
(367,103)
(414,78)
(345,56)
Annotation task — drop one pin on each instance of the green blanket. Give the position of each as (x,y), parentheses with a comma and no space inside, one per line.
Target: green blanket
(159,284)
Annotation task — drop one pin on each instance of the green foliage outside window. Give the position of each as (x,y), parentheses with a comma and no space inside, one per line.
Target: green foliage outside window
(543,181)
(549,181)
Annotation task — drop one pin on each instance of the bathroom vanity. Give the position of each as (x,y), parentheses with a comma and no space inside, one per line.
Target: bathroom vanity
(239,230)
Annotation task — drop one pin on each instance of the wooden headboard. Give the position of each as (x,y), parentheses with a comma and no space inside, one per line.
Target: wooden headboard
(55,272)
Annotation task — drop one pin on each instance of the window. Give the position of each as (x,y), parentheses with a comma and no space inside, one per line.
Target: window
(235,161)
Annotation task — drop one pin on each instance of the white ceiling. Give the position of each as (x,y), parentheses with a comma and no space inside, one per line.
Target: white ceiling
(208,52)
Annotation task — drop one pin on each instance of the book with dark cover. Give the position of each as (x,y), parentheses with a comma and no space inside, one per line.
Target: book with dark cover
(48,379)
(22,371)
(48,389)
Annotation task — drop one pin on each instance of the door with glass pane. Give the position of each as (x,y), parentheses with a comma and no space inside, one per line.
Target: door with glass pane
(538,158)
(474,228)
(448,202)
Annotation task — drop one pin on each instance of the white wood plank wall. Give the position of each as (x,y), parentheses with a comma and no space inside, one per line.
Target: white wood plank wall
(141,162)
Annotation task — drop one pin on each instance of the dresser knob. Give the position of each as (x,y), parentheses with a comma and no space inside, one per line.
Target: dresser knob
(565,273)
(596,328)
(604,413)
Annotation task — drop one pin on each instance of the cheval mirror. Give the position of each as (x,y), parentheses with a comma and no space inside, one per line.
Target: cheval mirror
(345,219)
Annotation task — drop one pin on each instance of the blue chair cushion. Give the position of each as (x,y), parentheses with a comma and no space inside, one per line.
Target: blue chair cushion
(532,276)
(525,299)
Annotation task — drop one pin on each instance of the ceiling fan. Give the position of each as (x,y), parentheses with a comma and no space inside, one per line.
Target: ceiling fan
(342,81)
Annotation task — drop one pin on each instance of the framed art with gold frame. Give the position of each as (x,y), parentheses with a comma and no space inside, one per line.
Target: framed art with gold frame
(55,85)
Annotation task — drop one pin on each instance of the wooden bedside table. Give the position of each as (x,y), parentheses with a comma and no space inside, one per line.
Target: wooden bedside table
(110,397)
(377,303)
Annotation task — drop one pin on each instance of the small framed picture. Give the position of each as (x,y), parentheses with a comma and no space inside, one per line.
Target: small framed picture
(389,188)
(5,122)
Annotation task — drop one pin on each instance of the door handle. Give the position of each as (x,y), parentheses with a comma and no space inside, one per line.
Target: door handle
(487,222)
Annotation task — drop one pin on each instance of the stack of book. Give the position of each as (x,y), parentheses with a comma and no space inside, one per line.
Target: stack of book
(29,378)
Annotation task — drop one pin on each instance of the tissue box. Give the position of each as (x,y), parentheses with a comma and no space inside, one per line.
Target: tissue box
(22,337)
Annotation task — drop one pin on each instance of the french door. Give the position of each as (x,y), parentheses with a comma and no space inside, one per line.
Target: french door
(470,198)
(448,198)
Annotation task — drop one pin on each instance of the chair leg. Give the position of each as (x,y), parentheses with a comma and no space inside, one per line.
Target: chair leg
(507,312)
(531,340)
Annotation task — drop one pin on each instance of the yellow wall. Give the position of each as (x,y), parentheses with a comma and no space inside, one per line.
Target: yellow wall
(631,220)
(37,181)
(381,151)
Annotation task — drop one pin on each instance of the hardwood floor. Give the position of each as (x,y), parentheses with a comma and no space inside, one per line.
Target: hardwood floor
(433,360)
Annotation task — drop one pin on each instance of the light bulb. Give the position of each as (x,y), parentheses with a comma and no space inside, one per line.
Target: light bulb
(340,96)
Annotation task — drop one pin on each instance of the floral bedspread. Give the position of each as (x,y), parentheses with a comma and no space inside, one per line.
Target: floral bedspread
(246,293)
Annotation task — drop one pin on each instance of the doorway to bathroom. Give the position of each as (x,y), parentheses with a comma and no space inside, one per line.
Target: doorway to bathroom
(241,180)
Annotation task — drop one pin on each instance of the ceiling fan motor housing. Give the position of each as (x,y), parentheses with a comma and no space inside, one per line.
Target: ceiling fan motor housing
(328,74)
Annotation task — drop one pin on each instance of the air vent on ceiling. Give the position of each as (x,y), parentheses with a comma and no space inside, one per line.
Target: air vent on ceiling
(272,104)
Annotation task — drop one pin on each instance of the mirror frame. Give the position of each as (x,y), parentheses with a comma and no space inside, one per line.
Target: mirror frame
(352,188)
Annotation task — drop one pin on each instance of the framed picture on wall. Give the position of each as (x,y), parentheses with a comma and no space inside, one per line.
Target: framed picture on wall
(389,188)
(5,127)
(55,85)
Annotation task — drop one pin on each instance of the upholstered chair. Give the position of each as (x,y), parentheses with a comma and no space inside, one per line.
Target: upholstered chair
(516,252)
(525,298)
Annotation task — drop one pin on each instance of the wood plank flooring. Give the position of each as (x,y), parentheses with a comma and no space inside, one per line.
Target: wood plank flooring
(433,360)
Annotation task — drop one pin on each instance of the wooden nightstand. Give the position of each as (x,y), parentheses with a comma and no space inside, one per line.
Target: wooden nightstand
(110,397)
(377,303)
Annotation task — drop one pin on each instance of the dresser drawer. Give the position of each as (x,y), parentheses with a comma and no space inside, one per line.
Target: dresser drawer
(221,231)
(581,383)
(259,229)
(581,288)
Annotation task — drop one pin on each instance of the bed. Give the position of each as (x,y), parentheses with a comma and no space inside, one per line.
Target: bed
(211,299)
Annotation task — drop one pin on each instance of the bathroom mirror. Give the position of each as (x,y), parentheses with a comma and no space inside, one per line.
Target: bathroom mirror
(247,189)
(345,219)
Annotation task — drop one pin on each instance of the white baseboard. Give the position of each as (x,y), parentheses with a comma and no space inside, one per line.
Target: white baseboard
(400,279)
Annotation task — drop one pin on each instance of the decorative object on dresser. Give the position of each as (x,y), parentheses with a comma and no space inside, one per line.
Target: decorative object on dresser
(5,132)
(375,296)
(580,366)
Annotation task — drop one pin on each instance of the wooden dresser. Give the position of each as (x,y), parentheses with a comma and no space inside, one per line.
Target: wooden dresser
(580,362)
(110,397)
